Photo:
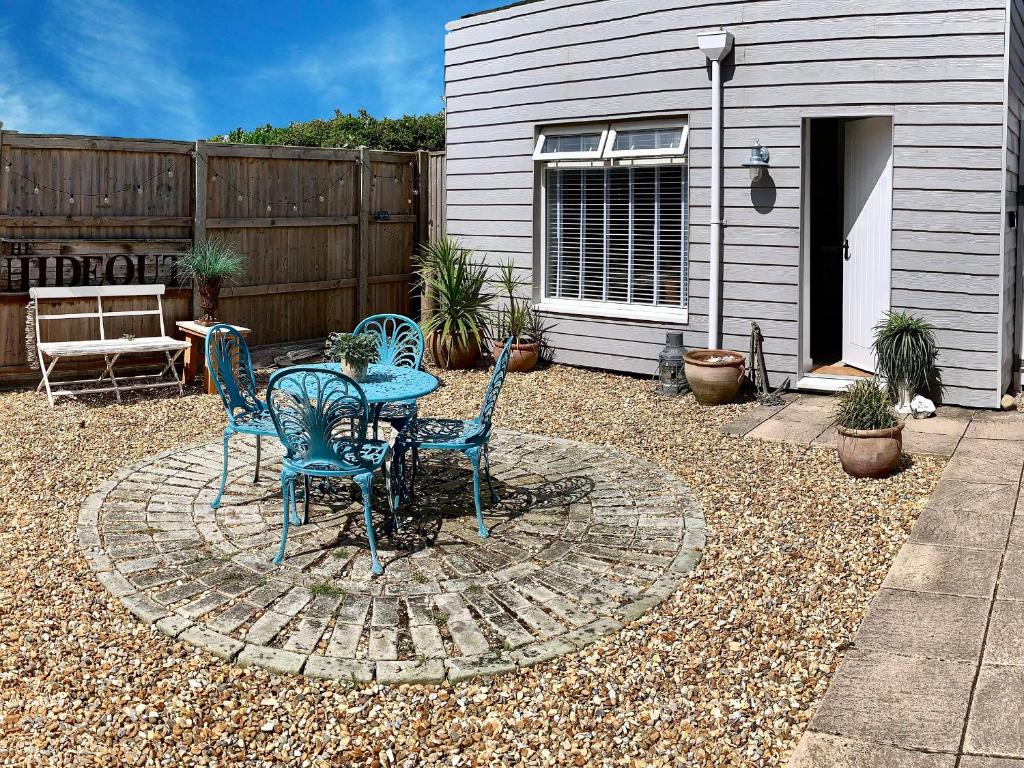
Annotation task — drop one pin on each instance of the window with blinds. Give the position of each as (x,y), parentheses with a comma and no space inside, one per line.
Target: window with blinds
(617,234)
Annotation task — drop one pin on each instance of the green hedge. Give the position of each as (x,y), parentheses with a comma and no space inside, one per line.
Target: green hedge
(404,134)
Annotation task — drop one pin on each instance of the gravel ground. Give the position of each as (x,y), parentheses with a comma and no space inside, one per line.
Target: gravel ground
(725,673)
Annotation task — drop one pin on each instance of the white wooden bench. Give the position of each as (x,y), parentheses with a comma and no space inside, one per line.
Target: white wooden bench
(110,349)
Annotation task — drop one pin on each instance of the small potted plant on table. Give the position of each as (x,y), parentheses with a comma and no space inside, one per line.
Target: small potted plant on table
(355,351)
(905,350)
(461,303)
(516,319)
(870,433)
(208,264)
(714,375)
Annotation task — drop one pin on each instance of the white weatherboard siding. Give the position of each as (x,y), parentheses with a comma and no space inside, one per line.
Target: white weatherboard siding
(936,66)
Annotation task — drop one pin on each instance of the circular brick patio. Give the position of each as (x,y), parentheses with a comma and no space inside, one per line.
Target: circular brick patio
(583,540)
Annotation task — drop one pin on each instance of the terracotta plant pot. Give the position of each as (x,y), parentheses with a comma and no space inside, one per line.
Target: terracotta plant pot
(870,452)
(209,299)
(714,381)
(523,357)
(453,353)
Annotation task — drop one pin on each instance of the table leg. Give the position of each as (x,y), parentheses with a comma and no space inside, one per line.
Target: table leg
(193,359)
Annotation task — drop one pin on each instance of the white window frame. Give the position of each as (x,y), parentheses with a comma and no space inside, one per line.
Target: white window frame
(595,154)
(649,125)
(592,307)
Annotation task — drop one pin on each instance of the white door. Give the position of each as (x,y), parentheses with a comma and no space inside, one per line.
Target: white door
(867,220)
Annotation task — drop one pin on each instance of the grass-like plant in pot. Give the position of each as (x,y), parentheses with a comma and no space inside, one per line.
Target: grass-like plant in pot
(905,351)
(870,437)
(355,351)
(516,318)
(208,264)
(461,303)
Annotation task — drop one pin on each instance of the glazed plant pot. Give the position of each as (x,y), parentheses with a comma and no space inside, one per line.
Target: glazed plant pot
(523,356)
(209,300)
(870,452)
(453,353)
(714,375)
(355,372)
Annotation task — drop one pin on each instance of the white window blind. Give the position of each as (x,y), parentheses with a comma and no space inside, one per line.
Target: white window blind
(617,234)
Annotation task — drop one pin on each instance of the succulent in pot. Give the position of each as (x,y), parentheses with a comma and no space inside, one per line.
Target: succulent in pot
(714,375)
(208,264)
(870,439)
(355,351)
(905,351)
(517,319)
(461,303)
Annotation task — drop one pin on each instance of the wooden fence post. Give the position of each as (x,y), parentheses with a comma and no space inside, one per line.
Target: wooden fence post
(365,200)
(198,209)
(423,233)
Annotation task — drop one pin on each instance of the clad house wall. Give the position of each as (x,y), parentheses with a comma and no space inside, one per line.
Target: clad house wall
(938,67)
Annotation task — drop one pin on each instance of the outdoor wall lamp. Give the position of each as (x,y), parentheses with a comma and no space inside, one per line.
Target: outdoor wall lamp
(758,161)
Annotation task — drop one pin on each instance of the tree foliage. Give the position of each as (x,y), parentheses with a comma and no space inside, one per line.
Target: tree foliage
(404,134)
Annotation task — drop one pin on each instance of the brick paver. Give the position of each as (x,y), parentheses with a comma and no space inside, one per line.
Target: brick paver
(584,540)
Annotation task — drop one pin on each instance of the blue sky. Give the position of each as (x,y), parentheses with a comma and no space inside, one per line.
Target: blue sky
(189,69)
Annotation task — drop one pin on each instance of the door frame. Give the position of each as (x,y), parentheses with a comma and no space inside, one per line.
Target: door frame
(804,378)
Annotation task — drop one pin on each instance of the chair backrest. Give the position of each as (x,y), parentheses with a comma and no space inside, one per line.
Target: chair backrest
(400,339)
(494,387)
(313,409)
(42,296)
(230,365)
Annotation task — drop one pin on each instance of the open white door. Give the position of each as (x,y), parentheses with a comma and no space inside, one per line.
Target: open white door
(867,254)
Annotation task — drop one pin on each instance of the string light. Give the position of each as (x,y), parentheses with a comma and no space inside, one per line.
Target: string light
(71,200)
(35,190)
(7,167)
(268,208)
(73,196)
(106,199)
(138,189)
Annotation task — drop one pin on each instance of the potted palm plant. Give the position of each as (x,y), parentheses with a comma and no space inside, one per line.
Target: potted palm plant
(870,433)
(905,351)
(461,303)
(208,264)
(516,319)
(355,351)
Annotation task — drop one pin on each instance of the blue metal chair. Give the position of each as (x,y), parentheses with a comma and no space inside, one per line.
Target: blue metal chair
(230,365)
(400,343)
(470,437)
(321,418)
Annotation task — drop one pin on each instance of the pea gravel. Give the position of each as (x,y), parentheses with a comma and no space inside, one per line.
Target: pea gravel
(725,673)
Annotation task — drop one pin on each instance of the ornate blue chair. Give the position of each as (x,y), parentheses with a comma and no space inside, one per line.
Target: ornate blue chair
(230,365)
(400,343)
(470,437)
(321,418)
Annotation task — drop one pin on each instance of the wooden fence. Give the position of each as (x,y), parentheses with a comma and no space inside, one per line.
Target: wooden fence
(436,223)
(330,234)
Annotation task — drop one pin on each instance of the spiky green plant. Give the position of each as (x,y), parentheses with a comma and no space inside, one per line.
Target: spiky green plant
(905,351)
(516,317)
(211,259)
(458,287)
(865,405)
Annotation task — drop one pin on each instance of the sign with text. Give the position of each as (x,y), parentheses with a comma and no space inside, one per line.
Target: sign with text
(28,263)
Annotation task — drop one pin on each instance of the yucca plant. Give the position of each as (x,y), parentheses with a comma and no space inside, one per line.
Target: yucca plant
(905,352)
(865,405)
(209,263)
(516,317)
(461,301)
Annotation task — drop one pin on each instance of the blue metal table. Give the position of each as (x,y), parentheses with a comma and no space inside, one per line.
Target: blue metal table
(385,384)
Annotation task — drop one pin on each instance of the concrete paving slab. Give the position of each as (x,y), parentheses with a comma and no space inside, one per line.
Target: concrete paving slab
(930,443)
(978,761)
(983,460)
(905,701)
(1011,577)
(971,529)
(799,432)
(997,712)
(944,570)
(973,496)
(937,425)
(820,750)
(996,425)
(1006,628)
(947,627)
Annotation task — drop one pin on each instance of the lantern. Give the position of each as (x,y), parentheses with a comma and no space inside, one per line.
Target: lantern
(758,161)
(671,379)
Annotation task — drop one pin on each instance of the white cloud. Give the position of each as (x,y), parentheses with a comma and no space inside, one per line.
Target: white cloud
(125,61)
(388,54)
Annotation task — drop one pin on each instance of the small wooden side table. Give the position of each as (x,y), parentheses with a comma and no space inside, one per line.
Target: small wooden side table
(195,355)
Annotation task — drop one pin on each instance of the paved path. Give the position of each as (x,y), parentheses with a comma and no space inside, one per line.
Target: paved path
(935,677)
(583,541)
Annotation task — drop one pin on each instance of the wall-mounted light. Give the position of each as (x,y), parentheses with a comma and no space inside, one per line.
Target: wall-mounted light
(758,161)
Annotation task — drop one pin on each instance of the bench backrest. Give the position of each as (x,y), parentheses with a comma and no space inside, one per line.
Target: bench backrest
(99,292)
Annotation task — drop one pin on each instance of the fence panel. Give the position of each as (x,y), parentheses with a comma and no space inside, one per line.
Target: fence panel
(330,234)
